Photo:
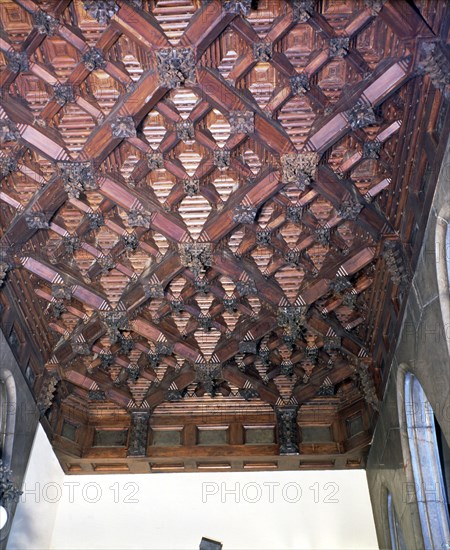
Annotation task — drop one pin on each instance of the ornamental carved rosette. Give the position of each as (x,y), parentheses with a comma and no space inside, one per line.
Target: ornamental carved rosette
(45,23)
(302,9)
(155,160)
(8,165)
(185,130)
(371,149)
(136,218)
(361,115)
(130,241)
(262,51)
(299,168)
(349,210)
(209,375)
(36,220)
(244,214)
(246,288)
(196,256)
(264,237)
(17,61)
(78,177)
(221,158)
(8,131)
(242,122)
(237,6)
(339,284)
(95,220)
(339,46)
(63,93)
(299,83)
(176,66)
(102,10)
(191,186)
(93,59)
(123,127)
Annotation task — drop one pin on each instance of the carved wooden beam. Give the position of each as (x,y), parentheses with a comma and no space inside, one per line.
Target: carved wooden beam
(155,334)
(100,381)
(80,290)
(241,206)
(302,393)
(205,26)
(172,379)
(387,78)
(227,99)
(46,141)
(267,392)
(140,26)
(142,210)
(407,22)
(151,282)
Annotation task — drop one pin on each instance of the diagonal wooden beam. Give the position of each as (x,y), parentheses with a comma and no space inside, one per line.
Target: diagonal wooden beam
(267,392)
(338,190)
(253,193)
(102,381)
(136,104)
(211,86)
(405,20)
(205,26)
(134,295)
(155,334)
(387,78)
(140,26)
(242,270)
(80,290)
(46,141)
(168,224)
(157,394)
(303,393)
(47,200)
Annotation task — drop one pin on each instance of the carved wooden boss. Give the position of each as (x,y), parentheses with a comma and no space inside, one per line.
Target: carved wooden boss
(210,217)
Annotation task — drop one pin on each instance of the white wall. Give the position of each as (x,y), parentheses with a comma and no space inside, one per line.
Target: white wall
(174,511)
(35,514)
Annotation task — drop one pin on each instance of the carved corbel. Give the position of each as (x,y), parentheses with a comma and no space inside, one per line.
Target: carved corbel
(138,433)
(287,430)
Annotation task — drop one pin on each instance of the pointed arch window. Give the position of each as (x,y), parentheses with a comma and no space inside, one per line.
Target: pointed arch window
(447,252)
(395,530)
(427,473)
(3,415)
(443,268)
(7,416)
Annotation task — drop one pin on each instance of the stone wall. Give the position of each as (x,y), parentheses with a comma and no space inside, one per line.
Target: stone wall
(21,424)
(424,350)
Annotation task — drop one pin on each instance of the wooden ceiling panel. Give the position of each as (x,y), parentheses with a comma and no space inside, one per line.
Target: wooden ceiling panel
(202,210)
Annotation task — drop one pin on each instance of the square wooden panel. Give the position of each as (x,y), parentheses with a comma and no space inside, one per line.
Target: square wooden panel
(259,435)
(110,438)
(212,436)
(166,438)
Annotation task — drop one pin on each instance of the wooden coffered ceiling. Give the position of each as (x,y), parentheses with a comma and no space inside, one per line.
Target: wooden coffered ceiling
(210,214)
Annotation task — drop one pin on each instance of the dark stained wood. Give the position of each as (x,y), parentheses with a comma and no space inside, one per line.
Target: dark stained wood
(210,220)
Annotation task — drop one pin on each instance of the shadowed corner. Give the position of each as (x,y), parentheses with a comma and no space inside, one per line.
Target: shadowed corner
(209,544)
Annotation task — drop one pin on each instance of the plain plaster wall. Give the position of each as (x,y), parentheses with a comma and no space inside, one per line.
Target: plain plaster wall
(35,514)
(174,511)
